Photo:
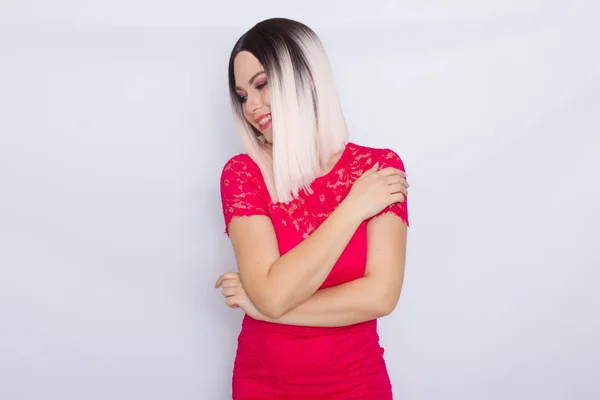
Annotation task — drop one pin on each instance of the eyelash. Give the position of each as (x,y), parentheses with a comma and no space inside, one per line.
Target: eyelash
(260,86)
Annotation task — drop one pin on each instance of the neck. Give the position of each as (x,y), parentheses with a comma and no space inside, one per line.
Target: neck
(325,169)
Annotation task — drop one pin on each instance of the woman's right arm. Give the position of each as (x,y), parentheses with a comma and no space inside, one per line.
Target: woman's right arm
(277,284)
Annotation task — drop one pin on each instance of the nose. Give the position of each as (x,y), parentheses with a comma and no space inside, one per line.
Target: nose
(253,103)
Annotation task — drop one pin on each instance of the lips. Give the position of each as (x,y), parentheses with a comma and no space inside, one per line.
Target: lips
(261,117)
(265,119)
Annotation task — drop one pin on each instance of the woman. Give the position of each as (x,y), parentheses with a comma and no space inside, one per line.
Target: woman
(318,226)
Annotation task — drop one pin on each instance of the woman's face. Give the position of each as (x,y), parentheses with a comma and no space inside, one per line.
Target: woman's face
(251,87)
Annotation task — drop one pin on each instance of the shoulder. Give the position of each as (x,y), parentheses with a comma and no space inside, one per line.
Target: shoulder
(243,192)
(240,167)
(386,157)
(239,162)
(368,156)
(241,176)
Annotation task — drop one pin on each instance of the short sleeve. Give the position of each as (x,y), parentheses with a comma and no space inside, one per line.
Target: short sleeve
(243,193)
(388,158)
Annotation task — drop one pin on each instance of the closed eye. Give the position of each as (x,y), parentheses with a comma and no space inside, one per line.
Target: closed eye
(259,86)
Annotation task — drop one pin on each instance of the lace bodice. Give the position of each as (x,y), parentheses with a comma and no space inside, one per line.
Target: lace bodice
(244,192)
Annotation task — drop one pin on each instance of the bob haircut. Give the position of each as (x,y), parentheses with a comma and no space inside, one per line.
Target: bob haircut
(307,120)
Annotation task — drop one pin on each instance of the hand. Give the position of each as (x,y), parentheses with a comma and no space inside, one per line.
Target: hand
(376,189)
(235,296)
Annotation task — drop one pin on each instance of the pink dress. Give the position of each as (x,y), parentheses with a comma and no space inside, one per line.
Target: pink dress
(277,361)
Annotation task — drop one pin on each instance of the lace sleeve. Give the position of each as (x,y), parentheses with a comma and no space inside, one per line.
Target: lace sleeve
(388,158)
(242,192)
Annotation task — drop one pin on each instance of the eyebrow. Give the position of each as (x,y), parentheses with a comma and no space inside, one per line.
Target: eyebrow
(251,79)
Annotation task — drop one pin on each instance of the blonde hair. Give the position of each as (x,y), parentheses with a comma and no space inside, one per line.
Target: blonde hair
(308,124)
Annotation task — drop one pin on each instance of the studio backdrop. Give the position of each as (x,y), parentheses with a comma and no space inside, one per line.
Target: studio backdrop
(114,127)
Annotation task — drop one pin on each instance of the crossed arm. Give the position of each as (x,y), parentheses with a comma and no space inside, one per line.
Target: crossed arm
(285,288)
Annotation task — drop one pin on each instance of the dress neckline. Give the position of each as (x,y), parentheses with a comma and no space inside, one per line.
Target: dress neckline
(338,164)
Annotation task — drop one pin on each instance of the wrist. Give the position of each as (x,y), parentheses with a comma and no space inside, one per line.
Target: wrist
(349,212)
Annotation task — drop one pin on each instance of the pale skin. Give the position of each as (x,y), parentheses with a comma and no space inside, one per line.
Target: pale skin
(285,289)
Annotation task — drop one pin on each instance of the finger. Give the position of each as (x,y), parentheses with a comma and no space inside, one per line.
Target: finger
(396,198)
(231,275)
(393,179)
(226,276)
(371,170)
(228,292)
(232,302)
(391,171)
(231,283)
(401,181)
(396,188)
(219,281)
(397,178)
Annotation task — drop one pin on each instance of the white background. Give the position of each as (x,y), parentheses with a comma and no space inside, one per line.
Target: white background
(115,124)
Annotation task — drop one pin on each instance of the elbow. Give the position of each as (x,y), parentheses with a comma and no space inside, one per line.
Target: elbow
(271,307)
(277,303)
(271,311)
(386,304)
(268,301)
(386,308)
(387,297)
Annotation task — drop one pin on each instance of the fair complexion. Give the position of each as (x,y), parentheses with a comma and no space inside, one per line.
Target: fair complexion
(253,91)
(252,88)
(284,288)
(373,296)
(274,285)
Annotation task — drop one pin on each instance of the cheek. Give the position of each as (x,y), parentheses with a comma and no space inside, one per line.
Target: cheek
(247,113)
(266,98)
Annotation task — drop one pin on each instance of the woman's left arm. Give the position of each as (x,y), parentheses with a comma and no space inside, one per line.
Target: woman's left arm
(372,296)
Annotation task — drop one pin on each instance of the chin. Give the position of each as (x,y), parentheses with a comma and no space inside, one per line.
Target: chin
(268,136)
